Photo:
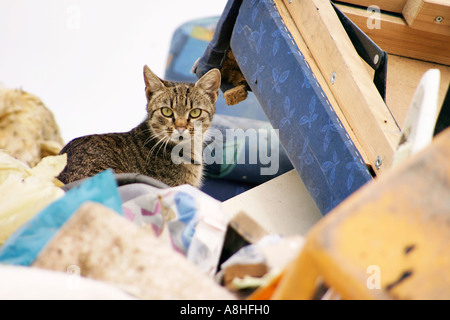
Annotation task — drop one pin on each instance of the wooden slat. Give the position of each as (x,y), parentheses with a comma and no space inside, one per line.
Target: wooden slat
(387,5)
(428,15)
(352,87)
(393,35)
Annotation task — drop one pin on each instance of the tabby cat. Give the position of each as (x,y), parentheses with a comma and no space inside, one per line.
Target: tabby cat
(178,115)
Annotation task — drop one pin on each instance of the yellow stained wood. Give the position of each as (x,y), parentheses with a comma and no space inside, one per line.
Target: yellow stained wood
(428,15)
(387,5)
(393,35)
(389,240)
(352,87)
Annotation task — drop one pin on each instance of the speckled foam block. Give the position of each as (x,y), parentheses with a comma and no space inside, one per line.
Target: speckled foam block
(107,247)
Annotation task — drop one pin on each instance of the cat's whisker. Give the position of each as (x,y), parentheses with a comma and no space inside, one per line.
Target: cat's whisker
(165,147)
(160,141)
(149,140)
(146,149)
(156,135)
(167,140)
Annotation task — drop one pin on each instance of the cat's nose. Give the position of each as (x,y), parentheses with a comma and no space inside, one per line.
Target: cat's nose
(181,129)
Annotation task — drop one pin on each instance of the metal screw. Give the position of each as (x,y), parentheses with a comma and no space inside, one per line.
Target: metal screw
(438,19)
(378,163)
(376,59)
(333,77)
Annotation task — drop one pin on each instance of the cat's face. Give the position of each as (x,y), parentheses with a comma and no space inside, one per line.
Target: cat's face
(178,111)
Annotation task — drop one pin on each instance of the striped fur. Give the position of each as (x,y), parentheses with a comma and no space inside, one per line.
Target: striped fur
(147,149)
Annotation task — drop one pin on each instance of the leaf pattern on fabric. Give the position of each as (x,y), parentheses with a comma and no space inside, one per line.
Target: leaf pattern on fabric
(309,119)
(256,75)
(330,166)
(328,129)
(279,79)
(257,36)
(288,113)
(305,157)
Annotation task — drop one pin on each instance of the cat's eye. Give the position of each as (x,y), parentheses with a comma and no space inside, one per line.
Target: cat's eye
(167,112)
(195,113)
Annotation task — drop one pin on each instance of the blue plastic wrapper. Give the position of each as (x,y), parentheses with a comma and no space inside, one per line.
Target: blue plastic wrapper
(24,245)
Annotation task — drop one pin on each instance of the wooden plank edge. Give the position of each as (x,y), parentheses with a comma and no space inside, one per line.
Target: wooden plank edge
(395,6)
(428,15)
(393,35)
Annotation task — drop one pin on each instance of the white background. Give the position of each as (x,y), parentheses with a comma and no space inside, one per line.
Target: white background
(84,59)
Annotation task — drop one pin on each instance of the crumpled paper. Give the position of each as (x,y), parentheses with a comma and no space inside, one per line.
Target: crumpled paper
(24,191)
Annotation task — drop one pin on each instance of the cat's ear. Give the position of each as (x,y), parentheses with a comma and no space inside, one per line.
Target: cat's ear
(152,82)
(210,82)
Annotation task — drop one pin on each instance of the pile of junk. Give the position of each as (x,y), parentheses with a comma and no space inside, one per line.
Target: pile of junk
(348,198)
(116,236)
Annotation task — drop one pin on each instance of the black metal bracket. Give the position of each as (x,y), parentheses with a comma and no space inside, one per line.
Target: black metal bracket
(368,50)
(443,120)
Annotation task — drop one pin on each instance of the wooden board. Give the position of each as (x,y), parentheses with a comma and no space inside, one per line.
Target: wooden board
(393,35)
(281,206)
(350,84)
(428,15)
(403,77)
(387,5)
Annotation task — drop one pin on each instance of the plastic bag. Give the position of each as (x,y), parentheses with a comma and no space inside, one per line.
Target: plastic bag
(23,246)
(193,221)
(24,191)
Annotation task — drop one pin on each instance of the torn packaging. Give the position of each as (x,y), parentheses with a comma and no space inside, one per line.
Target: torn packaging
(24,191)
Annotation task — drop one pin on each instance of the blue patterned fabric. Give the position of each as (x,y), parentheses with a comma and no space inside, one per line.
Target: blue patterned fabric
(225,180)
(309,129)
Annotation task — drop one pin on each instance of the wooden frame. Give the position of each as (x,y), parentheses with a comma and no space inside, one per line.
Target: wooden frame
(346,76)
(428,15)
(394,35)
